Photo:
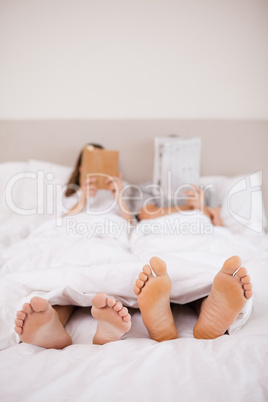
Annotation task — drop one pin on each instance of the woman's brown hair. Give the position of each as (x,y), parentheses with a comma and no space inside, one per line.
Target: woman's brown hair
(74,180)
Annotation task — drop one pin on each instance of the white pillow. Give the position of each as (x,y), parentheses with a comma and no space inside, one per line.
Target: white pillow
(61,173)
(45,191)
(241,202)
(30,186)
(240,197)
(241,206)
(8,170)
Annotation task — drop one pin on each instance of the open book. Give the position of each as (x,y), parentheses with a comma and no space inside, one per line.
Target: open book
(176,163)
(99,163)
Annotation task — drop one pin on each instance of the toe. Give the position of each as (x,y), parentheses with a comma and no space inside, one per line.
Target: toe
(139,283)
(147,270)
(247,286)
(248,294)
(21,315)
(123,312)
(18,330)
(111,301)
(118,306)
(231,265)
(241,272)
(159,266)
(143,277)
(136,290)
(245,279)
(18,323)
(100,300)
(127,318)
(27,308)
(39,304)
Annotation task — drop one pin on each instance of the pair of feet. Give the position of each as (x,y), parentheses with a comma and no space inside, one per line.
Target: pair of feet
(40,324)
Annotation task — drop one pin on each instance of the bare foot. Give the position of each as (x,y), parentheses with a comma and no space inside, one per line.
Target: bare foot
(153,293)
(39,324)
(113,319)
(227,298)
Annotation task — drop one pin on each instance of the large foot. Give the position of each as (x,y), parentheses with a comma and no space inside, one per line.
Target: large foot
(153,293)
(39,324)
(113,319)
(226,300)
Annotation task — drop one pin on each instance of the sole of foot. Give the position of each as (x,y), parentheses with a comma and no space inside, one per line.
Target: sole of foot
(113,319)
(153,295)
(39,324)
(230,291)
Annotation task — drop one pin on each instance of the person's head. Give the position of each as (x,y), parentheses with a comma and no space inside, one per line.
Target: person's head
(74,180)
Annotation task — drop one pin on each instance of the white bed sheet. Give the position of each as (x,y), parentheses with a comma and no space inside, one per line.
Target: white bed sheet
(231,367)
(73,269)
(228,368)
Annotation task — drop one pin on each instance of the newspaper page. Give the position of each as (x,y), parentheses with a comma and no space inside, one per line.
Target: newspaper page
(176,163)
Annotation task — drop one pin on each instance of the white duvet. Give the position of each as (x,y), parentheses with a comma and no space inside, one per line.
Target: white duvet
(69,267)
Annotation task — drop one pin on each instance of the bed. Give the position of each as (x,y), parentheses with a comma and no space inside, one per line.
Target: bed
(69,267)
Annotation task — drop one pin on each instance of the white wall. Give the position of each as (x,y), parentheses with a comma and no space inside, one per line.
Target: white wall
(120,59)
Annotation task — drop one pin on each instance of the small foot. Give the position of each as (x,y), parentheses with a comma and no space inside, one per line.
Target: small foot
(113,319)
